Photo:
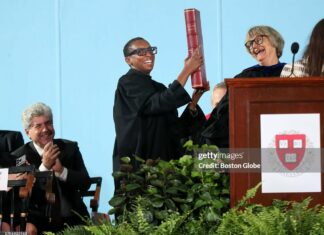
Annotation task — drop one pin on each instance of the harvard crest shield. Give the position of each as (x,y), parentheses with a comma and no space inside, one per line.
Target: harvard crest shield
(290,149)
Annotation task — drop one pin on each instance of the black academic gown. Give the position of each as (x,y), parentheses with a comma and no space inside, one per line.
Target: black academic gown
(146,118)
(214,131)
(261,71)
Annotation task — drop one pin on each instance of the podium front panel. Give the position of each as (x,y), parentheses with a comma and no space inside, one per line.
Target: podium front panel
(251,97)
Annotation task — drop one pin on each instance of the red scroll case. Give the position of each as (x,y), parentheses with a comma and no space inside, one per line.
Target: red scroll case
(195,39)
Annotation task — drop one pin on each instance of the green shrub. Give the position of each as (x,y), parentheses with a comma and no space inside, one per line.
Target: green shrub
(170,198)
(168,187)
(281,218)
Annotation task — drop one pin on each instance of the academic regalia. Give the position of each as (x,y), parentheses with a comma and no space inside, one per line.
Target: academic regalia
(261,71)
(146,118)
(215,130)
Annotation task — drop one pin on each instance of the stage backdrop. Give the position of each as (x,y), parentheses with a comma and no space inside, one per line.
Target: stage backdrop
(68,54)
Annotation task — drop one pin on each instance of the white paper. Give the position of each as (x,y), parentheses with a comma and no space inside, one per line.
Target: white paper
(291,124)
(3,179)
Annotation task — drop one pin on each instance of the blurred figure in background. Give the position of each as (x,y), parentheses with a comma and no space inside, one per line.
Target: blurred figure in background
(312,63)
(219,91)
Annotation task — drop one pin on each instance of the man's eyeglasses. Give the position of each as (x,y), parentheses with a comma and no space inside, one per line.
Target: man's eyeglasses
(257,40)
(143,51)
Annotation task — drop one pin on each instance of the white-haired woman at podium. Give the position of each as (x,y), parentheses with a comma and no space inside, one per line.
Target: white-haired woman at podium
(264,44)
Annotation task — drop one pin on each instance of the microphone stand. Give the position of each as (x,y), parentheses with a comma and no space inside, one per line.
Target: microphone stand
(294,49)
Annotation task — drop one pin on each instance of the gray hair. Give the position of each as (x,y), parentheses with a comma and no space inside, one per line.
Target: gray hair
(274,37)
(35,110)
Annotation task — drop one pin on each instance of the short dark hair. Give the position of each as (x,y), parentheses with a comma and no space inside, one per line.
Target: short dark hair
(130,43)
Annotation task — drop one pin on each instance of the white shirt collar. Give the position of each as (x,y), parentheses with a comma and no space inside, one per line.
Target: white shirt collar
(39,149)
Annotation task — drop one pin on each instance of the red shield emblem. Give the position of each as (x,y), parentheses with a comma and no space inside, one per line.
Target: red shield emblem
(290,149)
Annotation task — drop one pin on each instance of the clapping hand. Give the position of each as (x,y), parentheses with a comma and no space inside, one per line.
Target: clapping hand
(51,153)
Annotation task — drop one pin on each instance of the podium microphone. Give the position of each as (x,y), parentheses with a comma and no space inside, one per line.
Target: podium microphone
(294,49)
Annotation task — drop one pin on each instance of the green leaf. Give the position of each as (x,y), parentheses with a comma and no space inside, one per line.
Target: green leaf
(225,191)
(213,148)
(111,211)
(136,177)
(176,182)
(131,187)
(172,190)
(157,183)
(180,200)
(185,207)
(217,204)
(212,217)
(200,203)
(117,200)
(170,204)
(163,164)
(152,190)
(151,176)
(186,160)
(126,160)
(118,174)
(188,144)
(206,196)
(157,203)
(190,197)
(161,215)
(182,188)
(157,195)
(195,174)
(137,158)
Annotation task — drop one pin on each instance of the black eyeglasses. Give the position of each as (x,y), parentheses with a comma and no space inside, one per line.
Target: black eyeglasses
(143,51)
(257,40)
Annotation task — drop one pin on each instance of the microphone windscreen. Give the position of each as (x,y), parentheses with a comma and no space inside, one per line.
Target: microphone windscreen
(294,47)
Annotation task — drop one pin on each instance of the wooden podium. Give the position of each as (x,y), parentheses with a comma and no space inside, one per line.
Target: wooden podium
(250,97)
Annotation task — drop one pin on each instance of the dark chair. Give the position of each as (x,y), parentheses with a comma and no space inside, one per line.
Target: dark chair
(21,188)
(44,181)
(95,193)
(21,192)
(96,216)
(16,201)
(10,140)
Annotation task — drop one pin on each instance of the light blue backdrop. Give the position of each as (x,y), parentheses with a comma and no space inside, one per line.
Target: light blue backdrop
(68,54)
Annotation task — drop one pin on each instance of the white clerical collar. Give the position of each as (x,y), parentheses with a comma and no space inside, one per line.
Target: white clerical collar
(39,149)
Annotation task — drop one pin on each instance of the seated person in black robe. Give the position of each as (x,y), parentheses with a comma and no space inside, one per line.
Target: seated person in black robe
(265,45)
(145,111)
